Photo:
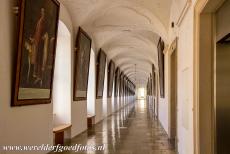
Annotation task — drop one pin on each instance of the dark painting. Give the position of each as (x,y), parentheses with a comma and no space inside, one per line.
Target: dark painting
(154,80)
(82,59)
(129,87)
(121,85)
(125,84)
(100,73)
(151,85)
(111,72)
(117,83)
(147,87)
(160,48)
(38,26)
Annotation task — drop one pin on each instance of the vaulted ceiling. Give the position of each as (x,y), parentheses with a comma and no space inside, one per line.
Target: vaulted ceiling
(127,30)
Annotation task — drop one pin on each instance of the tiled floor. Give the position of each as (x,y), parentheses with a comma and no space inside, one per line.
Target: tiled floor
(130,131)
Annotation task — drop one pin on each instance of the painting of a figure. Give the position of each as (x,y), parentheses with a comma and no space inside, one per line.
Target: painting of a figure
(154,80)
(100,73)
(160,48)
(111,74)
(38,26)
(82,59)
(121,84)
(125,81)
(117,83)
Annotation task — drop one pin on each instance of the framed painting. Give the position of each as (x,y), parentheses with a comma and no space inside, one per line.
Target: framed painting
(117,81)
(154,80)
(151,85)
(111,72)
(121,84)
(37,37)
(101,61)
(129,88)
(81,68)
(160,48)
(125,86)
(147,87)
(128,82)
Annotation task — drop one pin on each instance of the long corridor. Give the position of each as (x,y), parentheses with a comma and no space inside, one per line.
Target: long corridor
(133,130)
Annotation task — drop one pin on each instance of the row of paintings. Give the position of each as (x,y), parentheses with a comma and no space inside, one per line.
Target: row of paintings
(37,39)
(151,84)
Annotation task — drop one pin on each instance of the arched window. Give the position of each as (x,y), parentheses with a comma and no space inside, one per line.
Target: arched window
(62,77)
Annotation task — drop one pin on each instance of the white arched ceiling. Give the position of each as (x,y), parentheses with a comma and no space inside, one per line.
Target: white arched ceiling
(127,30)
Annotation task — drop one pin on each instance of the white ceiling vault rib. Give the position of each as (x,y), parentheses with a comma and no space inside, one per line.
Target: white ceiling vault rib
(127,30)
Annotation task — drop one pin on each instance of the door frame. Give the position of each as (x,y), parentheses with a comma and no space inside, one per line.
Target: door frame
(173,51)
(203,91)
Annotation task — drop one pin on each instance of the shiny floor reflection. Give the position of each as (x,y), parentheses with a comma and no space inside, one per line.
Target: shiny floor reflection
(133,130)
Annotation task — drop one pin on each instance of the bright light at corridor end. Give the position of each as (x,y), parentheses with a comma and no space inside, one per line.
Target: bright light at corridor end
(141,93)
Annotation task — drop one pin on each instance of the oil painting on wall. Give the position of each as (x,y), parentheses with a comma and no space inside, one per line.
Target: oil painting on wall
(82,59)
(117,79)
(160,48)
(100,73)
(38,24)
(154,80)
(111,77)
(121,84)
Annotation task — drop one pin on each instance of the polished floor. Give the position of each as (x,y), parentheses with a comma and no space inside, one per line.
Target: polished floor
(133,130)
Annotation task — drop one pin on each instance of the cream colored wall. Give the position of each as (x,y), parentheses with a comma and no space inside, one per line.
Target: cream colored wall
(113,99)
(163,102)
(184,31)
(11,132)
(109,106)
(26,125)
(16,126)
(62,77)
(98,110)
(91,92)
(105,97)
(79,117)
(78,109)
(185,85)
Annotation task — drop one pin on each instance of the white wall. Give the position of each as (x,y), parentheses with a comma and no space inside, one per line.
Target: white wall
(105,98)
(109,106)
(113,99)
(91,93)
(19,125)
(185,85)
(99,110)
(163,102)
(79,117)
(62,77)
(78,109)
(13,120)
(110,103)
(184,32)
